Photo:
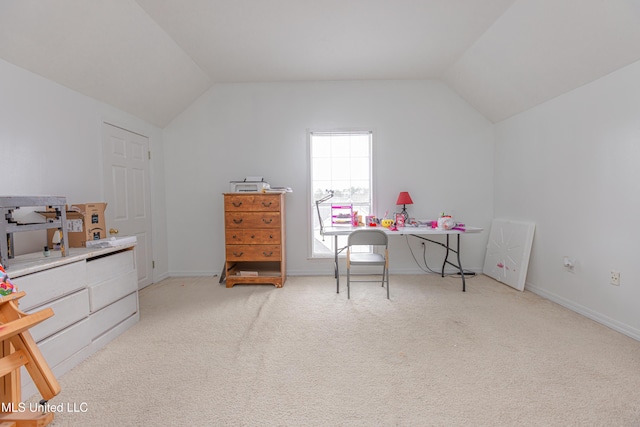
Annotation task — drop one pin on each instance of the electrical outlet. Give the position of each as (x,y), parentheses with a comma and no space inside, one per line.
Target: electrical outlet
(615,278)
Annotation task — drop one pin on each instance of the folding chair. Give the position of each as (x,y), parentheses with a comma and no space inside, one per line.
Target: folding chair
(367,237)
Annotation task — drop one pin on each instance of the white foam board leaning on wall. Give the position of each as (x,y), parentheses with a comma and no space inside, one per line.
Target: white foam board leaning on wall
(508,251)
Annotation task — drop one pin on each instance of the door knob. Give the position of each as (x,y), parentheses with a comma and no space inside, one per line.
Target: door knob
(113,231)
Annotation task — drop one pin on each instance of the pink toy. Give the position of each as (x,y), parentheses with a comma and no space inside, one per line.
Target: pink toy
(6,287)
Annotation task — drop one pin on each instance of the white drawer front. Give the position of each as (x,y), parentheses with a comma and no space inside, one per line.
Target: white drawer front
(108,317)
(104,293)
(102,268)
(66,311)
(48,285)
(65,343)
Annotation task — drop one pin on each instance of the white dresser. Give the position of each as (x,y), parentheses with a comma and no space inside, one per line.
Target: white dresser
(94,297)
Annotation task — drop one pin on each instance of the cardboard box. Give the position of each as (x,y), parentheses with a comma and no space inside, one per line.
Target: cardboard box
(84,222)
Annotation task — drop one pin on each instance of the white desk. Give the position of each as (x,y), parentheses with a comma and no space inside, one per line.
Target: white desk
(419,232)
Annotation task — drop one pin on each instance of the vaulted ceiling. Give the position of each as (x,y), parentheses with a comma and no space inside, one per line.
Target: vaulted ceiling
(153,58)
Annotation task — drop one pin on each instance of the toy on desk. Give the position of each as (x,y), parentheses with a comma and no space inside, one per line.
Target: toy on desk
(356,219)
(446,222)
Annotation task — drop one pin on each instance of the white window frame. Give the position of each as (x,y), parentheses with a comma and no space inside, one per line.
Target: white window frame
(339,195)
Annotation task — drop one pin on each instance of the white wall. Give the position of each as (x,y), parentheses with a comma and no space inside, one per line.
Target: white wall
(426,141)
(51,144)
(569,165)
(572,166)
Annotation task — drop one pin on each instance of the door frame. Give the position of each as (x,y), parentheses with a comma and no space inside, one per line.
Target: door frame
(149,221)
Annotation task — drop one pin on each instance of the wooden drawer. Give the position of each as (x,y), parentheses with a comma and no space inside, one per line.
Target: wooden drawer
(252,202)
(51,284)
(252,237)
(255,238)
(252,220)
(102,268)
(66,311)
(253,252)
(104,293)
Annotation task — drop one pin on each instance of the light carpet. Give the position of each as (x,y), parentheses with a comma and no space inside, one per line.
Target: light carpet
(302,355)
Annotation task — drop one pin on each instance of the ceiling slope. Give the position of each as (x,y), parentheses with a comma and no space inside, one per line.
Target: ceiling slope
(540,49)
(302,40)
(109,50)
(153,58)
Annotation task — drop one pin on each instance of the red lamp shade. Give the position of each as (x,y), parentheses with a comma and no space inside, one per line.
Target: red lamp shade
(404,199)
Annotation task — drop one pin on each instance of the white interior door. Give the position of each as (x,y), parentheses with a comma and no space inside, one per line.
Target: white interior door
(127,190)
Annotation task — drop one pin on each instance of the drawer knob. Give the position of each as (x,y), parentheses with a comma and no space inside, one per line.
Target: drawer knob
(253,236)
(266,205)
(238,254)
(267,220)
(265,253)
(236,204)
(271,236)
(237,221)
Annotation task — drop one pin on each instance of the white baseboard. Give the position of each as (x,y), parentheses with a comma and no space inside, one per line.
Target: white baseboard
(587,312)
(193,273)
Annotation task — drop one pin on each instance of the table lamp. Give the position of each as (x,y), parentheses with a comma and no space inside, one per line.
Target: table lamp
(404,199)
(322,200)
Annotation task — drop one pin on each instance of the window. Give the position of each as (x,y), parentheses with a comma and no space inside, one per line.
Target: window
(340,162)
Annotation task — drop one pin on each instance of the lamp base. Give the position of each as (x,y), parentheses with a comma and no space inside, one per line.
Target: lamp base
(404,213)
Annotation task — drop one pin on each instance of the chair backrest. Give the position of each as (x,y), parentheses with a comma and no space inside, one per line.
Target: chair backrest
(368,237)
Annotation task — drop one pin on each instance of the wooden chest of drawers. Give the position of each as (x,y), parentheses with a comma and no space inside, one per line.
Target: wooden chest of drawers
(254,238)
